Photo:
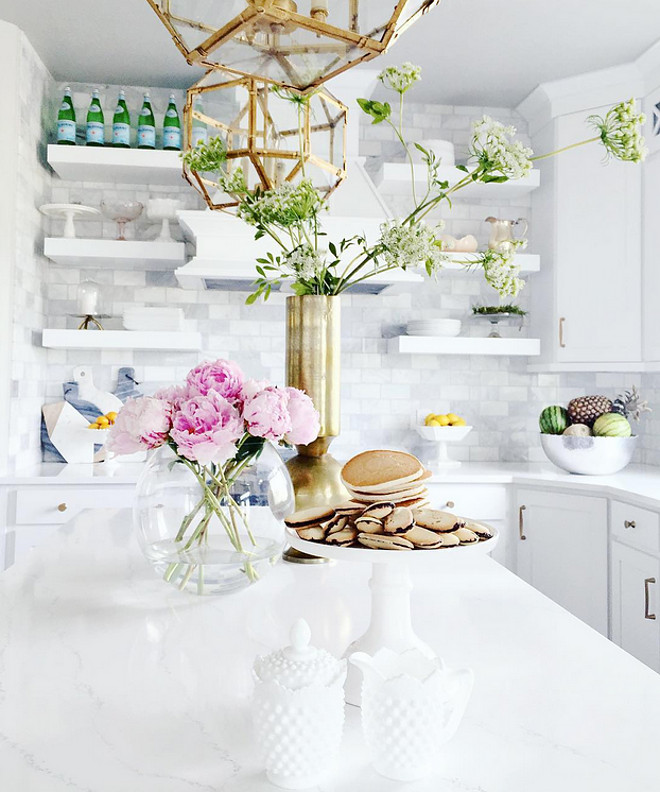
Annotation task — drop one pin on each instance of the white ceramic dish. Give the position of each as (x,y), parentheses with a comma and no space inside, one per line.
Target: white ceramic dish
(589,456)
(69,212)
(446,328)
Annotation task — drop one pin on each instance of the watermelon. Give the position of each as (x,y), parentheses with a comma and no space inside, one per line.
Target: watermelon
(612,425)
(553,420)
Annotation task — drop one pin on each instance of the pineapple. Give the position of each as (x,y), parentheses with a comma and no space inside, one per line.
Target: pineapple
(629,404)
(585,409)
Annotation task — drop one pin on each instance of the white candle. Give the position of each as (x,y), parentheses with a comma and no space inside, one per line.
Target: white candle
(88,298)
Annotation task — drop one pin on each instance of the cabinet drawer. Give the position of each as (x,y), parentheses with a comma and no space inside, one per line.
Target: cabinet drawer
(481,502)
(56,505)
(636,527)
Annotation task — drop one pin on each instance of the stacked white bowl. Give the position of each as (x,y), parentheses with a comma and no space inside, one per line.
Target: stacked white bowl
(434,327)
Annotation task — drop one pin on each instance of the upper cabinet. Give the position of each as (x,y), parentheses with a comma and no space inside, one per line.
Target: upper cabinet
(587,227)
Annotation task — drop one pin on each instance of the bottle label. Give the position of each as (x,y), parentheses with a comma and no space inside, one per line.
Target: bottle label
(172,138)
(171,112)
(95,132)
(121,134)
(147,136)
(65,106)
(66,130)
(145,111)
(199,135)
(119,109)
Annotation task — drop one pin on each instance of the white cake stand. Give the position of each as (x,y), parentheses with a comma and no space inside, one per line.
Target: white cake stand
(69,212)
(442,435)
(390,623)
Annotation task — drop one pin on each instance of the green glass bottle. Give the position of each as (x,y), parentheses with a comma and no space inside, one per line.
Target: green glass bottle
(172,127)
(146,126)
(95,133)
(199,129)
(66,121)
(121,124)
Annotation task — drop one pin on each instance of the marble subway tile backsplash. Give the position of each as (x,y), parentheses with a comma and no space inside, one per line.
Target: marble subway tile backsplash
(381,392)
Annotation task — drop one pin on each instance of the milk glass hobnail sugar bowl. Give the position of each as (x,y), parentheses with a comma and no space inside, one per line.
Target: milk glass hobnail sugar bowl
(411,705)
(298,711)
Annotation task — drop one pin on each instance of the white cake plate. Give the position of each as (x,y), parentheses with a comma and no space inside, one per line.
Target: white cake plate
(390,623)
(69,212)
(441,436)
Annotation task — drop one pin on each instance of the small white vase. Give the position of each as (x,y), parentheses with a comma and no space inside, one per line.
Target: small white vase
(411,705)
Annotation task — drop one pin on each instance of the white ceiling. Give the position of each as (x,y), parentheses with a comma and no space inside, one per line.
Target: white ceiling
(473,52)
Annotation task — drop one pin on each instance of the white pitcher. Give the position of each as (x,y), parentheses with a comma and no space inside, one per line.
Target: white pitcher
(411,705)
(501,233)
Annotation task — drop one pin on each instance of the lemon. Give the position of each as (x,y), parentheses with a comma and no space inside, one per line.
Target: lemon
(111,416)
(102,421)
(434,422)
(459,422)
(428,419)
(453,417)
(92,426)
(443,420)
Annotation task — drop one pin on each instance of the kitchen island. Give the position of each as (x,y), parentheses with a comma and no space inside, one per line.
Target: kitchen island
(109,679)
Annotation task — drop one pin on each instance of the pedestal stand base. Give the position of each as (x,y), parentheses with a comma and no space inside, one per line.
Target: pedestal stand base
(391,624)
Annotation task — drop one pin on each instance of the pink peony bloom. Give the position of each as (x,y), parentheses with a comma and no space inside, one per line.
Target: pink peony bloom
(252,386)
(141,424)
(206,428)
(174,394)
(266,414)
(305,424)
(222,376)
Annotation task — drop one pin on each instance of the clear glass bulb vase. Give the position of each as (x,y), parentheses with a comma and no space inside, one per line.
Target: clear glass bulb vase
(206,537)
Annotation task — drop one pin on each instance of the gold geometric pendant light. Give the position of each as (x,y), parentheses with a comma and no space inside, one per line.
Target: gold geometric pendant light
(297,44)
(275,135)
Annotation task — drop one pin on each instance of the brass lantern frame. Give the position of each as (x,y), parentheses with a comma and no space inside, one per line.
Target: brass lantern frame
(245,124)
(280,13)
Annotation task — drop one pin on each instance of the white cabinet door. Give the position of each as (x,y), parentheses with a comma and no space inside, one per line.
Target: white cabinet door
(562,551)
(651,271)
(636,603)
(598,253)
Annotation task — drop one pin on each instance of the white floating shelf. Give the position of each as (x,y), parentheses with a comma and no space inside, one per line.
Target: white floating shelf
(393,178)
(438,345)
(121,339)
(223,276)
(115,165)
(614,367)
(528,262)
(115,253)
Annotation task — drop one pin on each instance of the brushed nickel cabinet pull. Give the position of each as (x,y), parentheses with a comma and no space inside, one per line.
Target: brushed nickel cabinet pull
(62,507)
(450,504)
(562,319)
(629,524)
(521,523)
(647,615)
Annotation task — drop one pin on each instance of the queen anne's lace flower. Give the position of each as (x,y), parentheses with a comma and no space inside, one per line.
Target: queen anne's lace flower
(304,263)
(620,131)
(233,183)
(284,206)
(501,272)
(400,78)
(411,246)
(497,152)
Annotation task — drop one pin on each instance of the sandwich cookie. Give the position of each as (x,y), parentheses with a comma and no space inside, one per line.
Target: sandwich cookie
(312,533)
(436,520)
(423,538)
(381,542)
(466,536)
(399,521)
(312,516)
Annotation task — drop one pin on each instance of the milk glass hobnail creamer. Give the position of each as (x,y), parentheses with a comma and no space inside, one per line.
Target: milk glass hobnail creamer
(411,705)
(298,711)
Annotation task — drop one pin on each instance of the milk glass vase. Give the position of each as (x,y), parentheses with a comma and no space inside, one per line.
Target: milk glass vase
(206,536)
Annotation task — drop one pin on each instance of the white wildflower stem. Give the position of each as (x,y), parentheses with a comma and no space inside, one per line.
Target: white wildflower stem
(566,148)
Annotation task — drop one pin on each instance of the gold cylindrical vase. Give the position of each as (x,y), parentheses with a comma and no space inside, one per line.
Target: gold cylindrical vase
(313,360)
(313,364)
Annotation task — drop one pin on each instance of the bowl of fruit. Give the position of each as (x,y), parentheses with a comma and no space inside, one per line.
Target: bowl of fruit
(593,435)
(443,428)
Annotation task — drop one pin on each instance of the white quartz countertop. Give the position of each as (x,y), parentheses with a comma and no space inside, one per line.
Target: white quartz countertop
(110,680)
(640,483)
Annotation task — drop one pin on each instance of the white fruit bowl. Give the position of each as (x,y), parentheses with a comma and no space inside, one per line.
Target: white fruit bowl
(442,435)
(589,456)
